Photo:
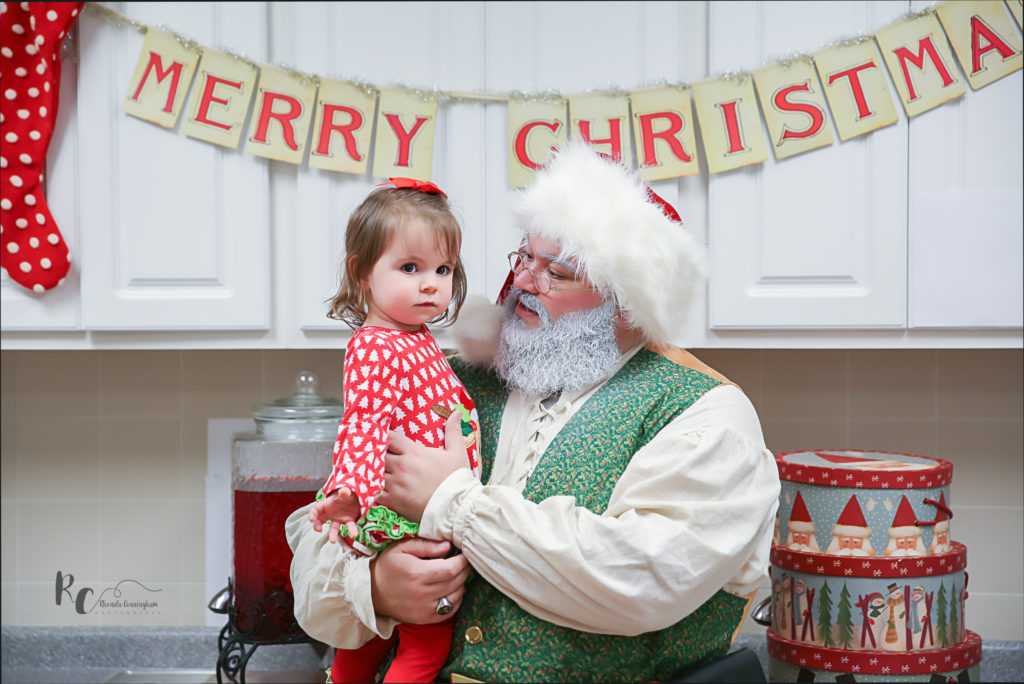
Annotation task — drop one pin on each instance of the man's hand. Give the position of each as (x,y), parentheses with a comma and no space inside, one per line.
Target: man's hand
(409,577)
(412,471)
(340,507)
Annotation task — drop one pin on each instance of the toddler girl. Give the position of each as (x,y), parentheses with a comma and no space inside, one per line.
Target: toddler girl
(402,270)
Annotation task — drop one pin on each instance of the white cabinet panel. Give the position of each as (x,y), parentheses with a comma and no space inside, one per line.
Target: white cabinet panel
(177,229)
(818,240)
(966,259)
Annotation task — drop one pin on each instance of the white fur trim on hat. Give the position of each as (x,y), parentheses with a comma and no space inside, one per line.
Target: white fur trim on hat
(600,214)
(851,531)
(906,531)
(941,526)
(477,330)
(795,526)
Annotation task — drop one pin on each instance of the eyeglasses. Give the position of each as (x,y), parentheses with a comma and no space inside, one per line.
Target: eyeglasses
(518,261)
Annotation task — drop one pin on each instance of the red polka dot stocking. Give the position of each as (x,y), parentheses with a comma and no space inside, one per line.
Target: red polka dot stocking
(32,249)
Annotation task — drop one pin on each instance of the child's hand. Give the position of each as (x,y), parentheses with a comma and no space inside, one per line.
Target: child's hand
(341,506)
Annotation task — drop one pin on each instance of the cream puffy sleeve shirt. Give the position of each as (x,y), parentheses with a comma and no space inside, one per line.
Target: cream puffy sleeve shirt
(692,513)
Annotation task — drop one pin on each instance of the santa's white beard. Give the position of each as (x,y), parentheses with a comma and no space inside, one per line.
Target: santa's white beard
(808,548)
(918,549)
(575,351)
(940,548)
(834,550)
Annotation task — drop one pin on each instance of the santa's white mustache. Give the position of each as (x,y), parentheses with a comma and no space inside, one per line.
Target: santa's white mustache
(531,302)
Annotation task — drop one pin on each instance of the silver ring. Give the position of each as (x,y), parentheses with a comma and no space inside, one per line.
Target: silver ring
(444,606)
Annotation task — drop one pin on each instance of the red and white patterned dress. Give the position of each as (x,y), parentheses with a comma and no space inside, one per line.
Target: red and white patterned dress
(392,381)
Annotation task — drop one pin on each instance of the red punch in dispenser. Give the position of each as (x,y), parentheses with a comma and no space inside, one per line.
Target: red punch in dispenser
(275,470)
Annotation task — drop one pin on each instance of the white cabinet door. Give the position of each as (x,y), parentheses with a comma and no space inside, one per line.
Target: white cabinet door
(818,240)
(966,222)
(175,231)
(59,308)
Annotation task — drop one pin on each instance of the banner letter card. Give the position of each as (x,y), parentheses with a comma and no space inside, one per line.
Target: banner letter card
(920,63)
(983,39)
(730,124)
(603,122)
(535,128)
(161,79)
(1017,10)
(343,127)
(794,107)
(405,134)
(281,116)
(853,78)
(220,98)
(663,129)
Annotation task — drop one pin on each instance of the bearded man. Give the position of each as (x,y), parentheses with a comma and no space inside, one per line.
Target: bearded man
(625,512)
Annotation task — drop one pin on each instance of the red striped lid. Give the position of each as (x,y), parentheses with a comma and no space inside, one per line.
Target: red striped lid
(965,654)
(867,469)
(871,566)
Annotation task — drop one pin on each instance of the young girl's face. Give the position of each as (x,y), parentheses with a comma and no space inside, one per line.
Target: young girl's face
(411,283)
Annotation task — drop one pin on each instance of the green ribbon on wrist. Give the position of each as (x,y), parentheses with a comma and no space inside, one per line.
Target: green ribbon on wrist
(379,527)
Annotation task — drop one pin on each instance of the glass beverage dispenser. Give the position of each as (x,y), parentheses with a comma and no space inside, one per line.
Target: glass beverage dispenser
(275,470)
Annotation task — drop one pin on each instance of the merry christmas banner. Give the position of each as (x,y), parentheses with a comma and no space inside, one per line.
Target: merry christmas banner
(785,107)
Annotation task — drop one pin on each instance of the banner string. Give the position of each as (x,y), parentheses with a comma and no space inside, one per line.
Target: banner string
(115,17)
(774,80)
(461,96)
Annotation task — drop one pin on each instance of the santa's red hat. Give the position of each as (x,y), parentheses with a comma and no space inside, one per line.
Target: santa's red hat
(625,239)
(904,524)
(851,522)
(799,518)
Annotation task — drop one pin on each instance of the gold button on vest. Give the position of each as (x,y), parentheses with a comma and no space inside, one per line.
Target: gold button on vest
(474,635)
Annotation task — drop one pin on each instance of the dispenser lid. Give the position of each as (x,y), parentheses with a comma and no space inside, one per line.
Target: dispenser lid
(305,406)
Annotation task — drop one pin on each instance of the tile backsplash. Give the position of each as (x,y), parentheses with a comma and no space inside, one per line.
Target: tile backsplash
(104,458)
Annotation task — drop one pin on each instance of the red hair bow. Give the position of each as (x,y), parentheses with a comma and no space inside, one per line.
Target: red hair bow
(422,186)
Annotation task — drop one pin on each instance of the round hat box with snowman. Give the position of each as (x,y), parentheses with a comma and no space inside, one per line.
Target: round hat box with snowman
(866,582)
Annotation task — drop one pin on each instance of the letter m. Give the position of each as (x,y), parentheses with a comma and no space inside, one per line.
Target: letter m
(926,45)
(156,64)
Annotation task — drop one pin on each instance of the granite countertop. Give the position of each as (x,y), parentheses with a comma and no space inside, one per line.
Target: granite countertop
(75,655)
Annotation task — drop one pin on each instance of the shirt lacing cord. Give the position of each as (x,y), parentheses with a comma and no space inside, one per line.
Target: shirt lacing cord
(542,415)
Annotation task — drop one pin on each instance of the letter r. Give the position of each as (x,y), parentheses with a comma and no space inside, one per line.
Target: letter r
(62,587)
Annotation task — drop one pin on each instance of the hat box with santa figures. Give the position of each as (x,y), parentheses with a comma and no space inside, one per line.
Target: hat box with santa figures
(866,583)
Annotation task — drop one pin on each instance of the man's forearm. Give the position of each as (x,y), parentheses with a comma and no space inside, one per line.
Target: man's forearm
(331,585)
(683,522)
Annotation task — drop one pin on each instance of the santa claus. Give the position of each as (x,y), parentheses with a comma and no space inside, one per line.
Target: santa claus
(801,529)
(904,534)
(851,535)
(940,531)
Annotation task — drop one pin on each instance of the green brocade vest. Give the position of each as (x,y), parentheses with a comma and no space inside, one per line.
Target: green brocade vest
(585,460)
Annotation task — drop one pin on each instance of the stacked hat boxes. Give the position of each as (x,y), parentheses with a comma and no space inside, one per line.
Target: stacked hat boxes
(866,582)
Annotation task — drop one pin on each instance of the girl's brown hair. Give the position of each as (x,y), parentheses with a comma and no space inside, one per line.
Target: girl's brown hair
(370,229)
